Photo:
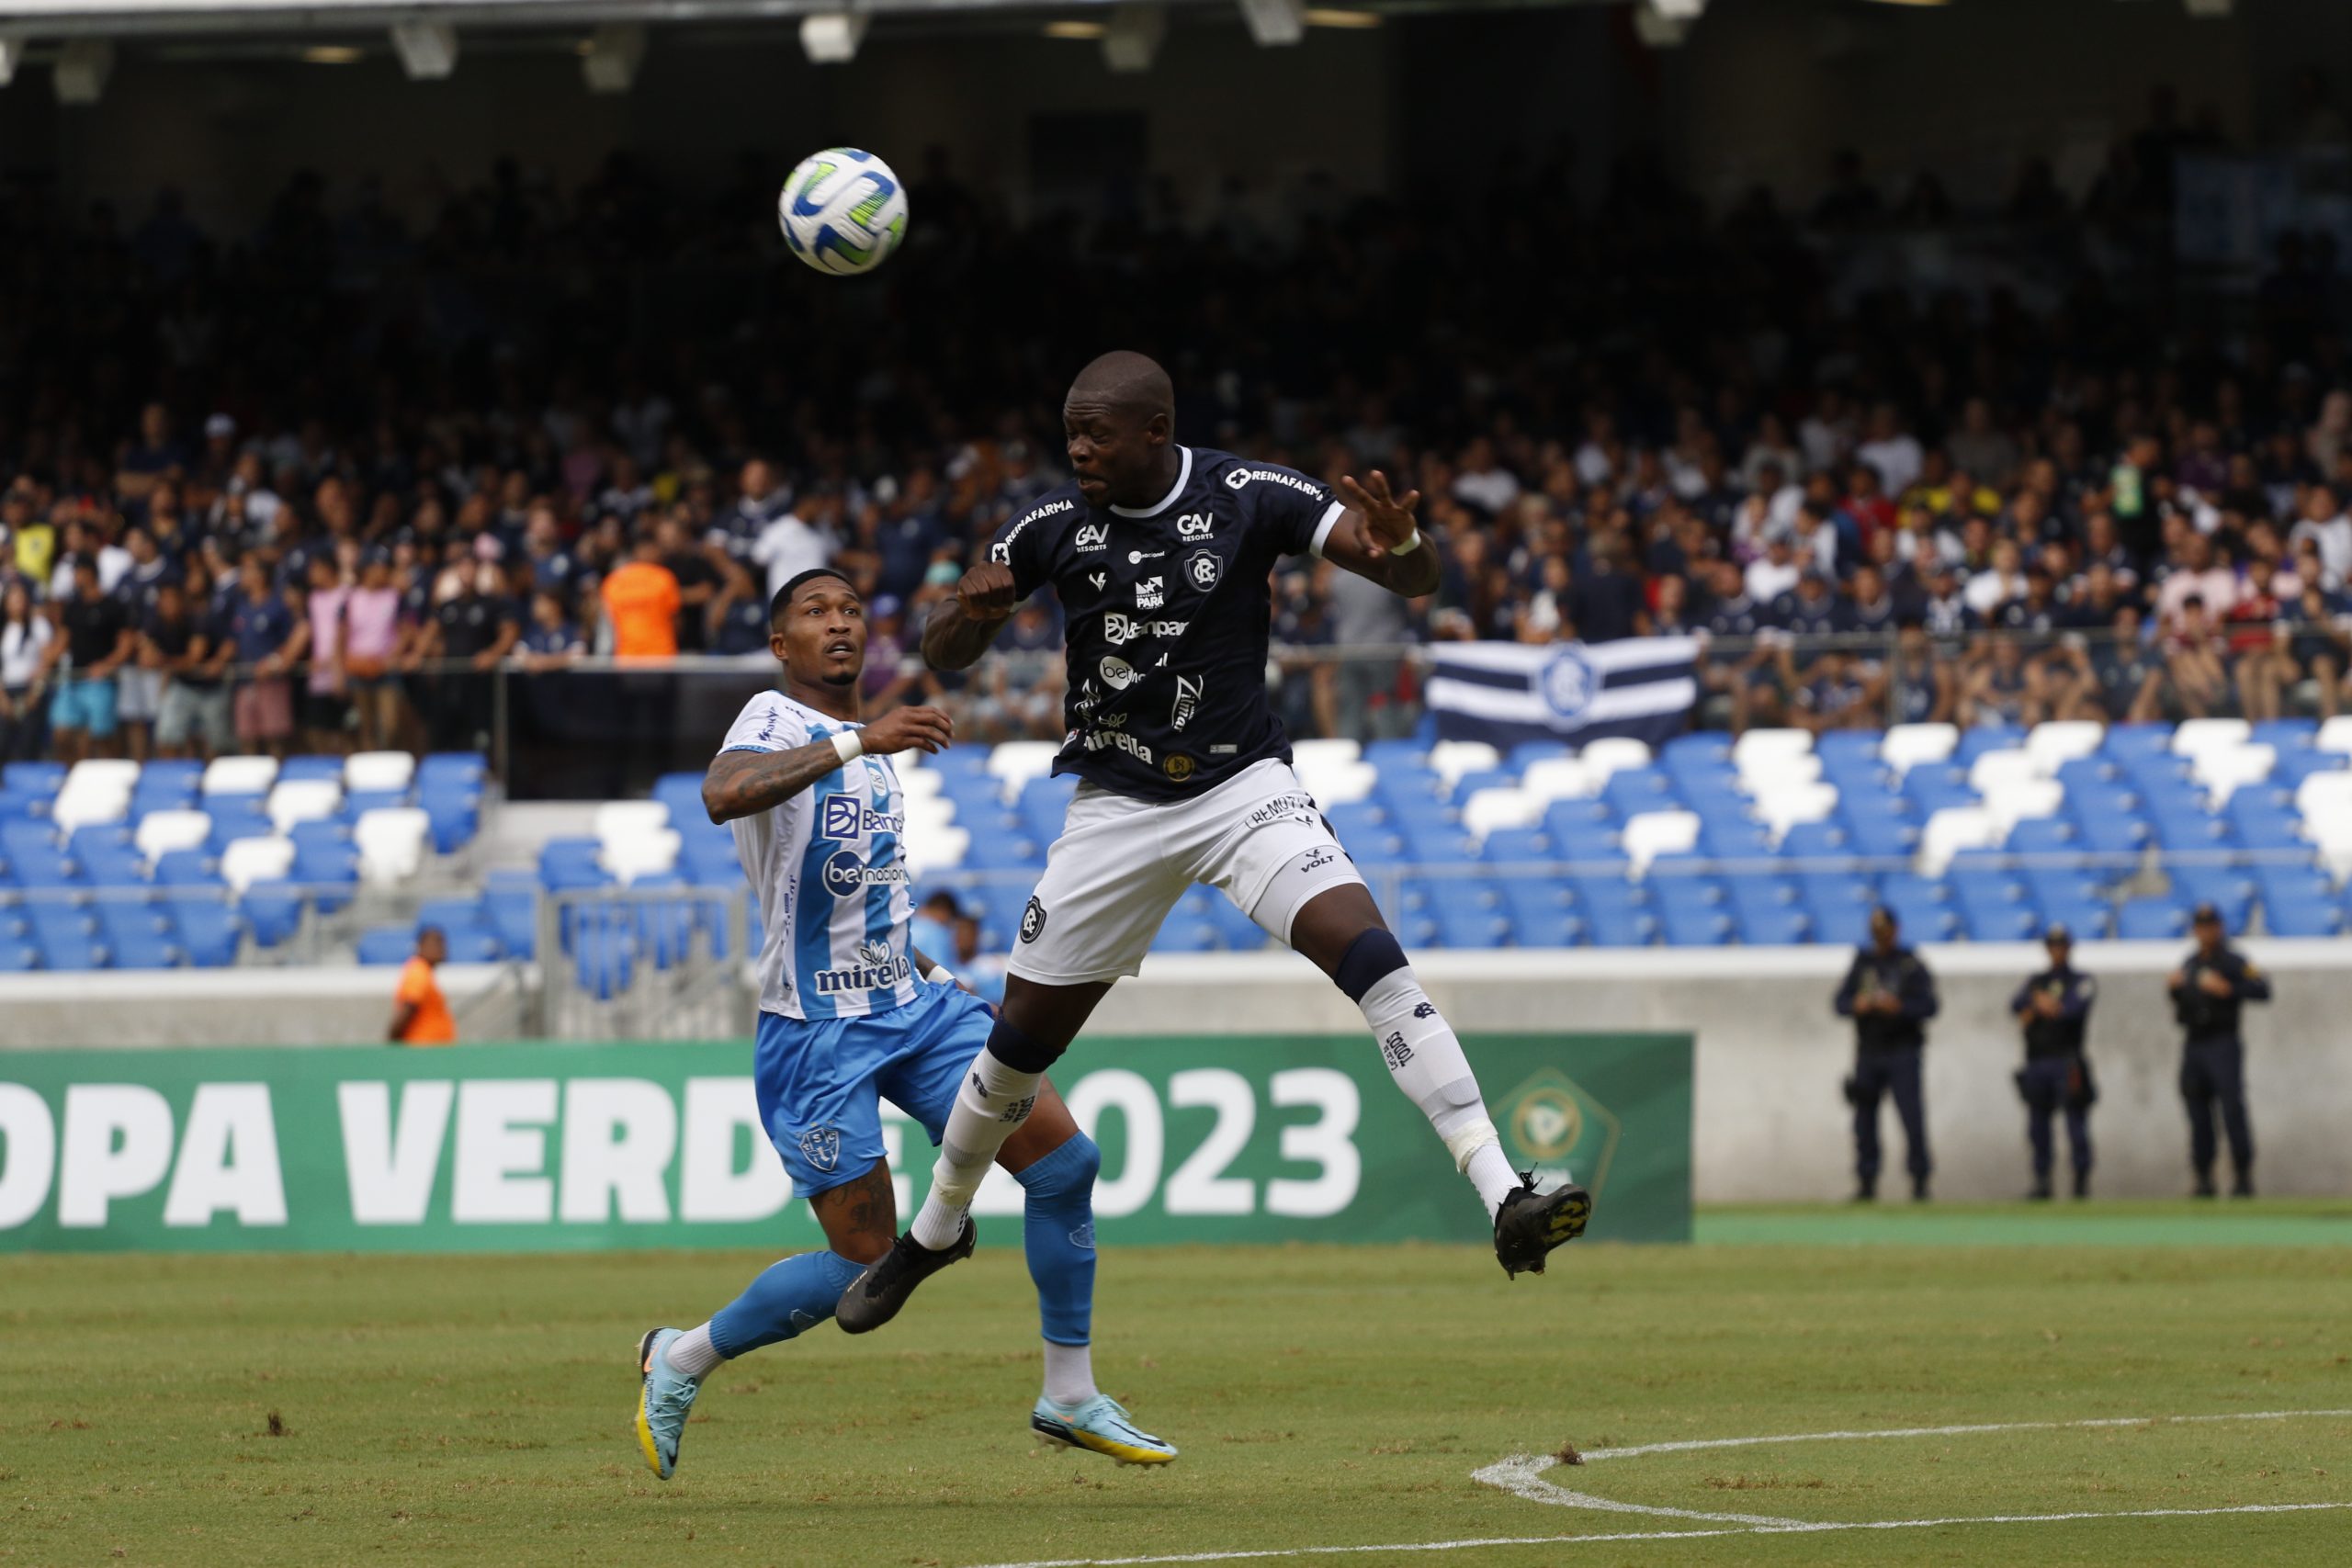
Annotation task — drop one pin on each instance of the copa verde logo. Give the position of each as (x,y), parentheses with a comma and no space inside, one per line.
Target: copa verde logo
(1551,1123)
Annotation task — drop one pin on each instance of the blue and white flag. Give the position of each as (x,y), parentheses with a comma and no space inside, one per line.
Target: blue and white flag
(1507,693)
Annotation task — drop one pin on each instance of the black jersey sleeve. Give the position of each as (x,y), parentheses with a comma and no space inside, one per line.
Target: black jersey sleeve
(1022,543)
(1292,512)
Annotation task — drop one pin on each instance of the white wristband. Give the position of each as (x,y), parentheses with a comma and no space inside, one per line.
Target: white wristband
(1408,547)
(940,975)
(849,745)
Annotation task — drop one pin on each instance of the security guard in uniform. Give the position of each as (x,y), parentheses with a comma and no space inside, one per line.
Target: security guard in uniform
(1890,995)
(2055,1008)
(2208,992)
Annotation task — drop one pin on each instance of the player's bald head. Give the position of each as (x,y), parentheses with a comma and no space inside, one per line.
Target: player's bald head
(1124,381)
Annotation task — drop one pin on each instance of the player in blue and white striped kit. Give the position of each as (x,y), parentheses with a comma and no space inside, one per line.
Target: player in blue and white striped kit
(851,1014)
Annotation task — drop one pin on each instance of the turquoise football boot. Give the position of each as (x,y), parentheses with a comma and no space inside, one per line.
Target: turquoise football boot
(1099,1426)
(665,1398)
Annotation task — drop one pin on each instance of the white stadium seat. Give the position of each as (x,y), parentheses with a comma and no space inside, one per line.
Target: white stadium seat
(1560,778)
(302,800)
(928,814)
(2196,735)
(2017,800)
(1763,773)
(1014,763)
(1755,742)
(1613,754)
(378,772)
(160,833)
(390,840)
(248,861)
(617,821)
(1782,808)
(1449,759)
(2224,769)
(1341,783)
(2061,740)
(2335,735)
(919,784)
(641,854)
(937,848)
(1906,746)
(2324,799)
(92,799)
(1951,830)
(1650,834)
(1994,770)
(107,774)
(1489,809)
(1325,753)
(240,775)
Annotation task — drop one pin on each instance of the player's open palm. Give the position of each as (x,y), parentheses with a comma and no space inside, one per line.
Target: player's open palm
(909,730)
(1388,518)
(987,592)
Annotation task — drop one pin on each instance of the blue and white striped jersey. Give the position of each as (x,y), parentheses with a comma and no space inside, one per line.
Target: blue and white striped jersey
(830,881)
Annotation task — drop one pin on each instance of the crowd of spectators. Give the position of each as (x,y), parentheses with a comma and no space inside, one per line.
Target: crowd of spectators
(303,488)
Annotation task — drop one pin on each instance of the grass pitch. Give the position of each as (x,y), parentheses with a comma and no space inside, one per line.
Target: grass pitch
(323,1410)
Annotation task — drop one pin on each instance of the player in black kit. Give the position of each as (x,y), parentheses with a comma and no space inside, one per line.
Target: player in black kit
(1160,556)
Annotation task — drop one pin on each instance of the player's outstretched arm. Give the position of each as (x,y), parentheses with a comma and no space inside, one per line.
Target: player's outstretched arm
(961,628)
(1377,539)
(739,783)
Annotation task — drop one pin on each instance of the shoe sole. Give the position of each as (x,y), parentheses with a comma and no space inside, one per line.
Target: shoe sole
(1566,1221)
(855,1321)
(644,1427)
(1086,1443)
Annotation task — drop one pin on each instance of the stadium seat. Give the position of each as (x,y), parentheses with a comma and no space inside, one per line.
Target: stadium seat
(1652,833)
(1012,763)
(207,930)
(391,842)
(386,944)
(247,861)
(470,769)
(2302,917)
(159,832)
(1954,829)
(378,773)
(272,911)
(234,817)
(2193,736)
(1906,746)
(1694,925)
(2151,919)
(187,868)
(239,776)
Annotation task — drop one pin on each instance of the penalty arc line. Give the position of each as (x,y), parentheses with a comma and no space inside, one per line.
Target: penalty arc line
(1520,1474)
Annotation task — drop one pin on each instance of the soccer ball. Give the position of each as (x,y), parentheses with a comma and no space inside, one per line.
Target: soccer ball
(842,211)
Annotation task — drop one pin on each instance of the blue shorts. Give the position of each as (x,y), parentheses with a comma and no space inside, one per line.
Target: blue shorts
(84,703)
(822,1084)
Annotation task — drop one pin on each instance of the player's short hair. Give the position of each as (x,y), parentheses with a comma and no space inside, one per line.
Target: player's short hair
(432,932)
(792,586)
(1125,379)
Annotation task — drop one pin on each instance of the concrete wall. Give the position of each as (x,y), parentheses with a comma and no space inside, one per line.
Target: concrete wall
(1770,1122)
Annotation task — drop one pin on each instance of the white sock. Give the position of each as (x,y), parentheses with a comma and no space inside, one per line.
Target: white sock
(691,1353)
(1069,1374)
(991,1106)
(1427,1062)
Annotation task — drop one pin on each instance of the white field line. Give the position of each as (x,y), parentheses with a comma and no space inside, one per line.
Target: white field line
(1521,1475)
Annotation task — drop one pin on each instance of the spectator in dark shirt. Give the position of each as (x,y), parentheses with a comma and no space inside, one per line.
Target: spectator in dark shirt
(179,641)
(268,640)
(96,640)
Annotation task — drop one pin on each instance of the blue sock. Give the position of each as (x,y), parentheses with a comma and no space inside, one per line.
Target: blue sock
(788,1299)
(1057,1230)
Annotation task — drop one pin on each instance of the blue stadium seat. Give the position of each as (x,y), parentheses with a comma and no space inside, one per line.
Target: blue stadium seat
(1995,884)
(1999,922)
(665,927)
(1528,752)
(604,957)
(1604,885)
(2298,916)
(310,766)
(2080,773)
(1882,837)
(2177,829)
(2109,827)
(571,863)
(386,944)
(1471,782)
(1517,846)
(2158,919)
(2090,920)
(1932,787)
(1976,743)
(476,947)
(1836,889)
(236,817)
(1620,925)
(2286,734)
(1923,920)
(329,870)
(451,818)
(681,793)
(1910,887)
(359,803)
(1583,829)
(1686,924)
(511,906)
(1234,927)
(271,912)
(2229,888)
(17,956)
(1540,908)
(2293,767)
(2043,836)
(1698,746)
(469,769)
(453,914)
(1785,927)
(1632,790)
(65,951)
(1396,753)
(34,778)
(1043,803)
(2126,741)
(1817,841)
(1735,840)
(2262,818)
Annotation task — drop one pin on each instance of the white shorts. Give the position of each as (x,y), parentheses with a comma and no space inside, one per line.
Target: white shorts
(1121,865)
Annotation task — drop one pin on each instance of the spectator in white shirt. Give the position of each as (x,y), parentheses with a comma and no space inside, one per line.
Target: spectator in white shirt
(1483,482)
(1997,583)
(2325,523)
(1892,450)
(788,547)
(2197,576)
(1774,573)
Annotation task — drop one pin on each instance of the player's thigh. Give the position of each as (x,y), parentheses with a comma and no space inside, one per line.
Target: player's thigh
(815,1085)
(1278,858)
(1107,889)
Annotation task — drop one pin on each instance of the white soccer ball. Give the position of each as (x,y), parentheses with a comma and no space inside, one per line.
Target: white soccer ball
(842,211)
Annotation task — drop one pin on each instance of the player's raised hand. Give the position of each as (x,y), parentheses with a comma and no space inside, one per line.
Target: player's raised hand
(987,592)
(903,729)
(1388,518)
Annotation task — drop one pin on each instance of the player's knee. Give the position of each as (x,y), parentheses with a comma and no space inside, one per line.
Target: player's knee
(1019,1049)
(1369,959)
(1068,1172)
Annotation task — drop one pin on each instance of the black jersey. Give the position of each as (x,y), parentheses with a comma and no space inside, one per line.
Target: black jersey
(1166,611)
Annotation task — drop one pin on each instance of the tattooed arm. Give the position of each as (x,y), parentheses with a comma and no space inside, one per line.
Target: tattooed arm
(739,783)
